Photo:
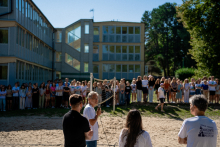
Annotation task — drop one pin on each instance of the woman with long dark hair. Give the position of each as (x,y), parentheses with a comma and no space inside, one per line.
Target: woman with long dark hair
(133,134)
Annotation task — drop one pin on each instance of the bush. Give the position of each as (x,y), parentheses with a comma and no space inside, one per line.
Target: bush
(184,73)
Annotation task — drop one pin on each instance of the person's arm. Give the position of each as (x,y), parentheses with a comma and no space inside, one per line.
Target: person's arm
(182,136)
(93,121)
(88,135)
(182,140)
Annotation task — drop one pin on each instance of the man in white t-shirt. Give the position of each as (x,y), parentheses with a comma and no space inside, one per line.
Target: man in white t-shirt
(161,96)
(92,116)
(212,84)
(198,131)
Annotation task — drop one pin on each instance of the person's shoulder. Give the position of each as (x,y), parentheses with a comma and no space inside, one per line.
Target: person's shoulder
(145,134)
(67,115)
(88,107)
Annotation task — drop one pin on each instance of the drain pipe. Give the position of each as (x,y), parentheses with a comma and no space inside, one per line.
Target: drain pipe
(8,12)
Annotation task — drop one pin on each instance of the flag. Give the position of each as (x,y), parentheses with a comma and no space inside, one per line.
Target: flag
(91,10)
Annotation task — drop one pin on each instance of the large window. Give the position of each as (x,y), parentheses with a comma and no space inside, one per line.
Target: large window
(3,3)
(59,36)
(3,72)
(3,36)
(95,53)
(72,61)
(86,27)
(95,34)
(86,48)
(86,67)
(58,56)
(73,34)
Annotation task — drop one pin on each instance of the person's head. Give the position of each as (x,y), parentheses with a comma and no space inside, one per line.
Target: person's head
(134,127)
(157,81)
(48,81)
(34,85)
(93,98)
(127,83)
(186,81)
(16,84)
(9,87)
(163,79)
(212,78)
(95,84)
(138,78)
(54,84)
(198,81)
(105,82)
(29,88)
(99,85)
(134,81)
(166,81)
(145,77)
(60,83)
(66,80)
(76,101)
(151,78)
(161,85)
(22,86)
(217,81)
(192,80)
(83,83)
(41,85)
(30,84)
(122,81)
(205,82)
(198,104)
(181,82)
(117,82)
(3,88)
(48,86)
(173,80)
(204,78)
(77,83)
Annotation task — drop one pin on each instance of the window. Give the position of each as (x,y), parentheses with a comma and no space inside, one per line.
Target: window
(59,36)
(4,3)
(112,49)
(3,36)
(137,30)
(137,68)
(131,30)
(111,67)
(69,59)
(17,4)
(86,67)
(23,6)
(105,49)
(124,49)
(137,49)
(58,56)
(3,72)
(111,29)
(95,49)
(105,38)
(73,34)
(118,49)
(96,31)
(95,68)
(105,68)
(118,30)
(131,68)
(26,9)
(124,30)
(72,62)
(86,48)
(86,27)
(131,49)
(118,68)
(105,29)
(124,68)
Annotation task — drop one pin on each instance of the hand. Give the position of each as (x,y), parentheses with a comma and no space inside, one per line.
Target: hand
(90,134)
(98,111)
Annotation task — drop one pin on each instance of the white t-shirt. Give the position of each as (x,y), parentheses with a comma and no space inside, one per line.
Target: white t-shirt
(59,88)
(133,86)
(198,86)
(83,88)
(116,88)
(144,83)
(200,131)
(89,113)
(3,96)
(15,89)
(143,140)
(78,87)
(72,88)
(161,92)
(212,88)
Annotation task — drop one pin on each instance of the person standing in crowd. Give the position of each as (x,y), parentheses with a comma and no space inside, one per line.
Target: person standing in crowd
(3,93)
(115,91)
(107,92)
(198,86)
(151,88)
(9,98)
(186,91)
(47,93)
(139,89)
(133,134)
(162,80)
(72,87)
(52,94)
(181,82)
(35,97)
(145,88)
(134,91)
(161,97)
(205,88)
(99,91)
(28,102)
(87,91)
(212,84)
(15,100)
(59,94)
(42,91)
(192,81)
(92,117)
(217,93)
(121,92)
(179,91)
(76,128)
(157,85)
(78,88)
(66,81)
(66,94)
(198,131)
(84,88)
(192,89)
(166,90)
(127,92)
(173,86)
(169,81)
(22,94)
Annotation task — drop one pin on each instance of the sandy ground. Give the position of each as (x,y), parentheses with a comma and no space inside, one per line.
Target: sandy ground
(44,131)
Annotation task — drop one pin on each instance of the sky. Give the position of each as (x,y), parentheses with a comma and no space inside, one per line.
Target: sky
(62,13)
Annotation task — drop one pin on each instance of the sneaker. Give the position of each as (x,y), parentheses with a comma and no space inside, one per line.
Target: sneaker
(107,106)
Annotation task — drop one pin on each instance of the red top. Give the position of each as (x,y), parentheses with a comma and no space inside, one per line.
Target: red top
(47,91)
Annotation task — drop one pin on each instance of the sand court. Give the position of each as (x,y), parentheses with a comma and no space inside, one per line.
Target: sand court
(45,131)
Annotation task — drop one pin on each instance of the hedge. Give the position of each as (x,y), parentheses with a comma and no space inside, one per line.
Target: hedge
(184,73)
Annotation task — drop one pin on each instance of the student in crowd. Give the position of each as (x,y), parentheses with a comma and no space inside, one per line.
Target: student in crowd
(133,134)
(166,90)
(173,86)
(76,128)
(28,102)
(162,80)
(42,91)
(198,86)
(122,92)
(151,83)
(186,87)
(3,93)
(161,97)
(99,91)
(107,93)
(47,93)
(15,100)
(117,92)
(198,131)
(53,94)
(66,81)
(103,92)
(157,85)
(179,91)
(35,97)
(192,89)
(66,94)
(92,117)
(22,94)
(127,92)
(59,94)
(83,89)
(217,93)
(139,89)
(169,81)
(134,91)
(78,88)
(212,84)
(192,81)
(72,87)
(205,88)
(145,88)
(181,82)
(9,98)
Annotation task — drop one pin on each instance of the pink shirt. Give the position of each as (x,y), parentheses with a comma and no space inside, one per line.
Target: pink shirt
(52,88)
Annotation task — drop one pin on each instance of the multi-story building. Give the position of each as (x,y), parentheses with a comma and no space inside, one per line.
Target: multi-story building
(32,50)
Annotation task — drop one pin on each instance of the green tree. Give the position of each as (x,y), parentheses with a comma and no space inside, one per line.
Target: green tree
(202,20)
(166,39)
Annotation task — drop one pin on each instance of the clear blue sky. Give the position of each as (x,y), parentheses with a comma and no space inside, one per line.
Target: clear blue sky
(62,13)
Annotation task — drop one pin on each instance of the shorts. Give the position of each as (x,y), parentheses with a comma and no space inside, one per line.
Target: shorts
(192,93)
(211,92)
(174,89)
(9,98)
(162,100)
(53,93)
(133,91)
(66,98)
(145,90)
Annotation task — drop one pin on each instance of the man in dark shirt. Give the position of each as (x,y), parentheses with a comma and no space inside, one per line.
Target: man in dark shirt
(76,127)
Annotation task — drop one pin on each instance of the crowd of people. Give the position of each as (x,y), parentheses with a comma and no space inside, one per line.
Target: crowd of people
(55,94)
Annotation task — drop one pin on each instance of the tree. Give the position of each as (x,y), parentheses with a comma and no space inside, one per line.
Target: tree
(166,39)
(202,20)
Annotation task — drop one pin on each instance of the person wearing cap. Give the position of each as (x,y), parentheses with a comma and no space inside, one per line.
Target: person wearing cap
(76,128)
(161,97)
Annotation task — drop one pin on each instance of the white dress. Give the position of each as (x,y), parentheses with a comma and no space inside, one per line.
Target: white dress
(186,93)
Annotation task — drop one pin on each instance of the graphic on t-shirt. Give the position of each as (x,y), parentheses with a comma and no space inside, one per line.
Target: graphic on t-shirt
(206,131)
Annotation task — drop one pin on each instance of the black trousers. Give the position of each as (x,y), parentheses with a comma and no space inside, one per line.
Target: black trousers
(15,102)
(35,101)
(58,101)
